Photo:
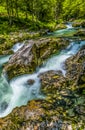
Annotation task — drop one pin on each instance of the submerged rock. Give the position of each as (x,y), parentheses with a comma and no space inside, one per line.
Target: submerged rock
(3,106)
(31,82)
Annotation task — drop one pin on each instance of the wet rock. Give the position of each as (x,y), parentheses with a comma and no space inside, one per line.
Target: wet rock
(79,24)
(76,24)
(59,72)
(80,110)
(74,65)
(64,105)
(69,127)
(44,32)
(2,40)
(33,54)
(80,33)
(60,26)
(31,82)
(7,41)
(3,106)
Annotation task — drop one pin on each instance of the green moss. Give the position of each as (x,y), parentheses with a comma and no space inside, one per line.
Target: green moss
(80,32)
(60,26)
(40,53)
(8,40)
(79,23)
(19,69)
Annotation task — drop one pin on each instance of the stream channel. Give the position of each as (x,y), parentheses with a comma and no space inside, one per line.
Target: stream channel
(17,92)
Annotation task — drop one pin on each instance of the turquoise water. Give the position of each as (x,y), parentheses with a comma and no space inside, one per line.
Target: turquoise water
(64,32)
(18,92)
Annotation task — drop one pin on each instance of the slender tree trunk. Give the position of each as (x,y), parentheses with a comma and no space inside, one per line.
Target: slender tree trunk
(16,10)
(32,11)
(8,10)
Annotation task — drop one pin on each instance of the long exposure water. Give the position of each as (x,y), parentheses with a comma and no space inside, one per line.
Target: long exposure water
(18,91)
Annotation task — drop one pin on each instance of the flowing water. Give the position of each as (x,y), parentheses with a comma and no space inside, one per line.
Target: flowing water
(64,32)
(4,59)
(17,46)
(69,25)
(5,90)
(18,92)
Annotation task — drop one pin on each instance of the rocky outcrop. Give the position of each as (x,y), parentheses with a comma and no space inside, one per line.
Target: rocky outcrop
(76,70)
(80,33)
(8,40)
(30,82)
(64,105)
(33,54)
(60,26)
(79,23)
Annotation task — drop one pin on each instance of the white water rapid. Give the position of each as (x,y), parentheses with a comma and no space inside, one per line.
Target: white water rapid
(69,25)
(67,31)
(18,92)
(4,59)
(17,46)
(5,89)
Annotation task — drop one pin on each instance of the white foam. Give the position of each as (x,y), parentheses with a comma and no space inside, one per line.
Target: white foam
(69,25)
(17,46)
(23,92)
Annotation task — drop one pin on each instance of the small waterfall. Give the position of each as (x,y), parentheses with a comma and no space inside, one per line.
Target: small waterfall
(17,46)
(25,91)
(5,94)
(69,25)
(5,89)
(64,32)
(4,59)
(21,89)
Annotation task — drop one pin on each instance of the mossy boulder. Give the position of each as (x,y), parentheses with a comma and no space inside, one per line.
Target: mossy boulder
(8,40)
(80,33)
(57,27)
(2,40)
(64,105)
(30,82)
(76,70)
(33,54)
(60,26)
(79,23)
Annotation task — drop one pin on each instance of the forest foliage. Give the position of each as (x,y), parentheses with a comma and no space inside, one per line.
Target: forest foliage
(41,11)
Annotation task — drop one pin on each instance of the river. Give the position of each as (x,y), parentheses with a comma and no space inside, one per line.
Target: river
(18,92)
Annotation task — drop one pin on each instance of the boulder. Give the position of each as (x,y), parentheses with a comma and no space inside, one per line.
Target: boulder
(64,105)
(3,106)
(80,33)
(60,26)
(33,54)
(79,23)
(30,82)
(75,64)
